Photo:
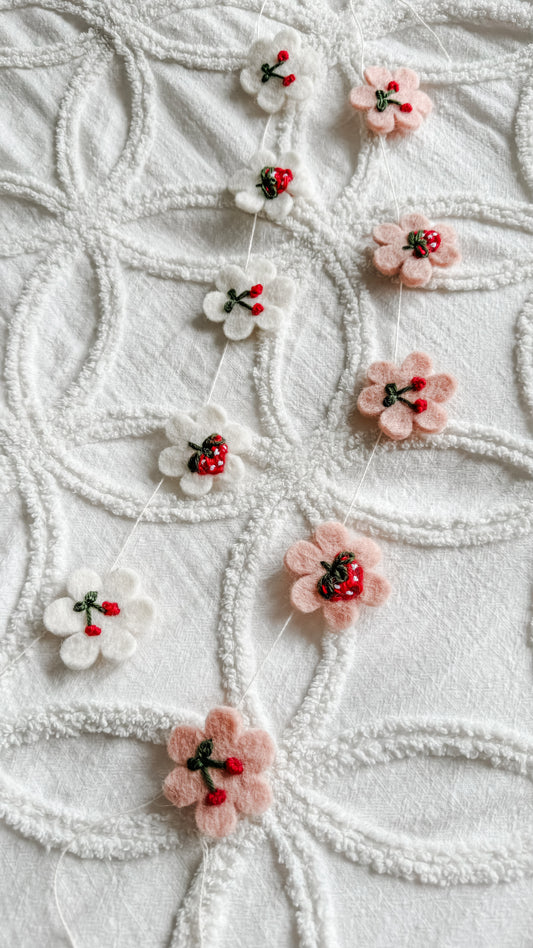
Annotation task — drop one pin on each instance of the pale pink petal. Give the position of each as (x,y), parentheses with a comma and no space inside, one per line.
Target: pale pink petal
(432,420)
(388,234)
(370,401)
(416,271)
(366,552)
(414,221)
(256,749)
(224,726)
(252,796)
(406,78)
(304,593)
(397,421)
(407,121)
(439,387)
(363,97)
(216,821)
(332,538)
(390,258)
(302,558)
(382,372)
(339,615)
(378,76)
(376,589)
(421,102)
(446,255)
(382,123)
(183,742)
(447,233)
(417,363)
(183,787)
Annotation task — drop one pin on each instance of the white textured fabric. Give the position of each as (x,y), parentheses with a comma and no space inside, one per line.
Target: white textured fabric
(403,801)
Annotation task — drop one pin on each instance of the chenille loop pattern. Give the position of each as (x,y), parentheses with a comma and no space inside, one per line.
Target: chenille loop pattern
(307,471)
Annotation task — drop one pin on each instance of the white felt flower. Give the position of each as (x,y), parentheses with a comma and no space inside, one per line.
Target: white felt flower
(205,450)
(244,299)
(279,71)
(99,616)
(271,186)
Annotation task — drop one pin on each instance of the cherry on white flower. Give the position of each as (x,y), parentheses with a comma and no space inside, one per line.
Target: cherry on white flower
(279,71)
(271,184)
(99,616)
(245,299)
(205,451)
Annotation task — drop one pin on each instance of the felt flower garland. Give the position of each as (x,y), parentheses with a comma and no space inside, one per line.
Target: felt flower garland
(219,771)
(243,300)
(392,101)
(99,616)
(205,450)
(413,247)
(279,71)
(270,184)
(392,397)
(334,572)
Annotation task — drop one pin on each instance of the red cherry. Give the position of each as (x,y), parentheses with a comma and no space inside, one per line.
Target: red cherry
(418,383)
(433,240)
(283,56)
(393,86)
(110,608)
(256,309)
(406,107)
(256,290)
(234,765)
(283,178)
(288,80)
(420,405)
(216,797)
(92,630)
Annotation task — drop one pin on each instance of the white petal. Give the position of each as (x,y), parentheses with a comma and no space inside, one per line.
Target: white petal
(80,651)
(260,270)
(292,160)
(261,51)
(117,645)
(239,324)
(173,461)
(301,89)
(288,39)
(230,277)
(270,319)
(262,159)
(280,207)
(82,581)
(59,617)
(213,306)
(251,201)
(178,428)
(210,418)
(238,437)
(138,614)
(301,185)
(120,585)
(196,485)
(233,472)
(272,95)
(280,292)
(251,78)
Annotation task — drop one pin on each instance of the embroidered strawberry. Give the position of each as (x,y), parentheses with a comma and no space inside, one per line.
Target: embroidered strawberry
(209,457)
(343,578)
(423,242)
(274,181)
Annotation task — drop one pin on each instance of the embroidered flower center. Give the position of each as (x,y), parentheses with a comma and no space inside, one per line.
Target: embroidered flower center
(87,604)
(394,394)
(423,242)
(274,181)
(234,300)
(203,761)
(209,457)
(269,72)
(384,99)
(343,578)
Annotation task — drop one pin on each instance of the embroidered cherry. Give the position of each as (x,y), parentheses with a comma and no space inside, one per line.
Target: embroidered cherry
(423,242)
(234,300)
(88,603)
(394,394)
(203,761)
(343,578)
(274,181)
(209,457)
(269,72)
(383,98)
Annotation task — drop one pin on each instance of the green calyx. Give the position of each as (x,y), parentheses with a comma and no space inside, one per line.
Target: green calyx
(336,572)
(268,184)
(417,242)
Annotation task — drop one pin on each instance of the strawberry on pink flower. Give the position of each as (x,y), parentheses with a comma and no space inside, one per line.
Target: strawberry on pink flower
(392,397)
(413,247)
(392,100)
(334,572)
(220,771)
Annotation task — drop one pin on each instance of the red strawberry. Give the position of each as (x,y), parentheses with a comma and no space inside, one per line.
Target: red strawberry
(209,457)
(343,578)
(432,239)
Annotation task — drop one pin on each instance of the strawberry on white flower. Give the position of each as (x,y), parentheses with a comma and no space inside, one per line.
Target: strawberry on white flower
(99,616)
(270,184)
(244,299)
(205,450)
(280,71)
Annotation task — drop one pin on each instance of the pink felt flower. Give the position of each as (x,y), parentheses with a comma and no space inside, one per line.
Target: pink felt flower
(392,397)
(413,247)
(334,573)
(392,100)
(218,770)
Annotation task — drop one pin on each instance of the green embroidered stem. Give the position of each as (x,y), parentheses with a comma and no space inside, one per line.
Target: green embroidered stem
(269,71)
(86,604)
(202,760)
(384,100)
(234,299)
(394,395)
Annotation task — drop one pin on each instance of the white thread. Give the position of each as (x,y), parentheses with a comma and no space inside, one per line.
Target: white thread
(357,489)
(428,28)
(217,373)
(397,333)
(205,857)
(361,34)
(264,660)
(136,524)
(20,654)
(263,5)
(387,168)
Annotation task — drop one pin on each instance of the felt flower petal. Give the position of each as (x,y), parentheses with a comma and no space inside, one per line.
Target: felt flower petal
(304,594)
(250,80)
(378,76)
(376,590)
(224,726)
(80,651)
(254,796)
(82,581)
(440,387)
(382,123)
(172,461)
(370,401)
(303,557)
(388,234)
(216,821)
(177,429)
(280,208)
(231,277)
(238,437)
(251,201)
(414,221)
(261,270)
(60,619)
(271,96)
(117,644)
(362,97)
(367,553)
(446,255)
(421,102)
(406,78)
(415,271)
(121,584)
(183,787)
(256,750)
(194,485)
(417,363)
(213,306)
(397,421)
(433,420)
(340,615)
(408,121)
(381,372)
(389,258)
(183,742)
(270,319)
(239,324)
(332,537)
(233,472)
(211,417)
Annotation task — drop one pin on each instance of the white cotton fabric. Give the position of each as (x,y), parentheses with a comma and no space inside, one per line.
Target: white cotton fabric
(403,801)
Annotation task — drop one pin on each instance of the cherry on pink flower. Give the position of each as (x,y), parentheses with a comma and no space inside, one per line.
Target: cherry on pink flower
(110,608)
(256,290)
(406,107)
(216,797)
(257,309)
(418,383)
(288,80)
(420,405)
(91,630)
(234,765)
(283,56)
(393,87)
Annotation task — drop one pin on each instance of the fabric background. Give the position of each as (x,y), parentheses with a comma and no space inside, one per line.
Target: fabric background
(121,124)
